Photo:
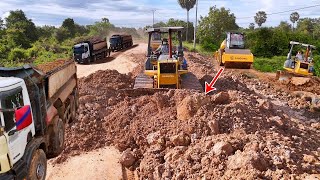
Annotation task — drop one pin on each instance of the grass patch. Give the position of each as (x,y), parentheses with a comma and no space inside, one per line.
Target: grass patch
(199,49)
(269,64)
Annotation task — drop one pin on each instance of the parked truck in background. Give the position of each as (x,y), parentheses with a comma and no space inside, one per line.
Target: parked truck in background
(118,42)
(34,108)
(89,51)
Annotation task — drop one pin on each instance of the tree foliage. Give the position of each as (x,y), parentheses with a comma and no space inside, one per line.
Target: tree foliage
(251,26)
(212,28)
(260,18)
(294,17)
(69,25)
(22,30)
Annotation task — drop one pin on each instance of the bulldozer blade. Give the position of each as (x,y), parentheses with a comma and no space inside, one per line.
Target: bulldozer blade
(141,92)
(143,81)
(283,76)
(190,81)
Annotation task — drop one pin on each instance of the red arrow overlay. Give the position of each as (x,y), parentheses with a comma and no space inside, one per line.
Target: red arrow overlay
(209,87)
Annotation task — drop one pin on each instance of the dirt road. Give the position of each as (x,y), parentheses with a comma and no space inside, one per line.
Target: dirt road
(120,61)
(102,163)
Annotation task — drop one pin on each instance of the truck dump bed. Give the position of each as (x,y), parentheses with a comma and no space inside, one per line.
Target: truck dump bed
(57,80)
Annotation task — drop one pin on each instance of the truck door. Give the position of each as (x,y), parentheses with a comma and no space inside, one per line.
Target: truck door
(86,53)
(18,121)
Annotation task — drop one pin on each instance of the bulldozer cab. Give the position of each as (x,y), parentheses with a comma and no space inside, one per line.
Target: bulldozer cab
(235,40)
(165,51)
(163,70)
(302,63)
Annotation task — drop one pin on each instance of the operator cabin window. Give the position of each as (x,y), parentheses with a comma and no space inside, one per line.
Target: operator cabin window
(12,100)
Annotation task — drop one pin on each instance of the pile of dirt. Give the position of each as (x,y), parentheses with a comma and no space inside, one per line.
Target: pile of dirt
(47,67)
(247,129)
(98,92)
(182,134)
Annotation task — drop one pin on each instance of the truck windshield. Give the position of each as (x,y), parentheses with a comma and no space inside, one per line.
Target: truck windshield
(237,41)
(78,50)
(113,40)
(9,101)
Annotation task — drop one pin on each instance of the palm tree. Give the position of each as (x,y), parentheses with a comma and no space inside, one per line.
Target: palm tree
(187,5)
(294,17)
(260,18)
(105,20)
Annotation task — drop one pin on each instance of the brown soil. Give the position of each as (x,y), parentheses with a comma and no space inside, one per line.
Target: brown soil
(47,67)
(247,129)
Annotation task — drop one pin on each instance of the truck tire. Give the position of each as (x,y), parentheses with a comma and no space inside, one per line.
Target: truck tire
(38,166)
(57,138)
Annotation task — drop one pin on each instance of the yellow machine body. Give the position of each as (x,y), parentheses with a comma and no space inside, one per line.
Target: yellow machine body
(226,55)
(166,74)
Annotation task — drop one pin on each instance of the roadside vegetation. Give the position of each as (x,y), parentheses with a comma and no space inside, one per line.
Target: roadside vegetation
(21,41)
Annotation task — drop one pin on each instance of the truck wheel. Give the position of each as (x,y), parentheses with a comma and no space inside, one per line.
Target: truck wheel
(38,166)
(57,138)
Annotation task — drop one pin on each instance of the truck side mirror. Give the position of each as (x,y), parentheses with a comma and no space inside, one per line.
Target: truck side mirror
(23,117)
(12,132)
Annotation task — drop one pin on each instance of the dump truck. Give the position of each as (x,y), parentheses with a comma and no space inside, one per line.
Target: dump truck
(34,109)
(232,52)
(166,68)
(90,50)
(118,42)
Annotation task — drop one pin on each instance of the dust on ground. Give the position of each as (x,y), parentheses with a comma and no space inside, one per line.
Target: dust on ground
(247,129)
(120,61)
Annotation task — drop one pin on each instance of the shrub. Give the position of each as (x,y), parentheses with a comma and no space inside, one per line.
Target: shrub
(17,54)
(269,64)
(317,65)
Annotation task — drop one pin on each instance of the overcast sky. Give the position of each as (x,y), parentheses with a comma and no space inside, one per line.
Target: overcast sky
(137,13)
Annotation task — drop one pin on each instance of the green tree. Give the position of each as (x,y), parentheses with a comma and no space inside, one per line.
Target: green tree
(180,23)
(260,18)
(18,22)
(1,24)
(70,26)
(284,26)
(305,25)
(212,28)
(105,20)
(46,31)
(294,17)
(187,5)
(251,26)
(101,29)
(61,34)
(17,38)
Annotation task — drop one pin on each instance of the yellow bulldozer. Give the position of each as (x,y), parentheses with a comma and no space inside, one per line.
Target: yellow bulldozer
(232,52)
(299,65)
(166,66)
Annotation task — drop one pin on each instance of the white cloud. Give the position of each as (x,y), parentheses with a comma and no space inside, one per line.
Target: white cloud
(138,13)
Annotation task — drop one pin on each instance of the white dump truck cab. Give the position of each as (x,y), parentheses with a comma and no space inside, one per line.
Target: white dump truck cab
(34,108)
(81,52)
(16,125)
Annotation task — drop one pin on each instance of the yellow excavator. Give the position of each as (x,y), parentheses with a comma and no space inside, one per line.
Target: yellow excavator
(166,67)
(299,65)
(232,52)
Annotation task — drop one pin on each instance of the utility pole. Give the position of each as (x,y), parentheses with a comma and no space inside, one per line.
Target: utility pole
(153,11)
(195,27)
